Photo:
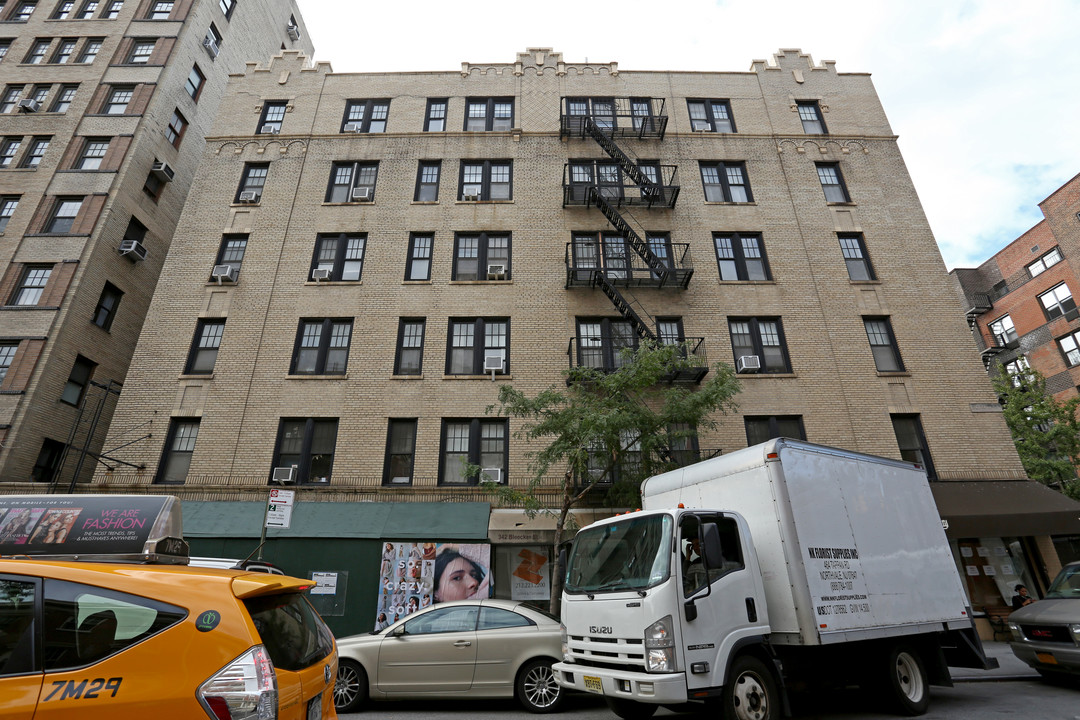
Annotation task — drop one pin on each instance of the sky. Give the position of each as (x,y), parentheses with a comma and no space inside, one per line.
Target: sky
(984,95)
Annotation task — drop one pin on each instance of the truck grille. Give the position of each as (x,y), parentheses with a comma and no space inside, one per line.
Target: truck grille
(608,652)
(1047,633)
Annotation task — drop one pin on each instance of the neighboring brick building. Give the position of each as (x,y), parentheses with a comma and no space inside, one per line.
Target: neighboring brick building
(363,251)
(103,110)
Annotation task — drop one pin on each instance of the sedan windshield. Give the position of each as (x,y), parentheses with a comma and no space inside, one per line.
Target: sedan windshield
(1066,584)
(633,554)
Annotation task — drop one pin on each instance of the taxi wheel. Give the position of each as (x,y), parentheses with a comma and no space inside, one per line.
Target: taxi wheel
(537,690)
(351,688)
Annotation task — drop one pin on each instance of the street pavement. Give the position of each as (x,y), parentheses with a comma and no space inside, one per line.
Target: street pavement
(1011,667)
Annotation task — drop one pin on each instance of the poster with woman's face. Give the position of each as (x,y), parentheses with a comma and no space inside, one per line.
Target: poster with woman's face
(418,575)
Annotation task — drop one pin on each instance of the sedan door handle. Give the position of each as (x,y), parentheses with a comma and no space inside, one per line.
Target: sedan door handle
(462,643)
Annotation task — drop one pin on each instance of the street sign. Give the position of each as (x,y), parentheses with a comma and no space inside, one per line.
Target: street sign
(279,509)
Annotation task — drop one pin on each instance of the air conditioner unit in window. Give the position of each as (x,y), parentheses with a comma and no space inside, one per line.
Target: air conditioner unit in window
(354,127)
(293,31)
(285,475)
(320,274)
(133,250)
(29,105)
(211,46)
(224,273)
(749,363)
(250,196)
(470,195)
(361,193)
(162,172)
(269,129)
(491,475)
(496,272)
(493,363)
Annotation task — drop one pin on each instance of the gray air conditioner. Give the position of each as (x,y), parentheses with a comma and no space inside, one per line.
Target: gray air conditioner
(749,363)
(493,362)
(224,273)
(211,46)
(285,475)
(133,250)
(269,129)
(29,105)
(320,274)
(250,196)
(470,195)
(293,31)
(354,127)
(162,172)
(491,475)
(496,272)
(361,193)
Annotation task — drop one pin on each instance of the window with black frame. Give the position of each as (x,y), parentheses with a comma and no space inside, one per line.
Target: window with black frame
(741,256)
(307,445)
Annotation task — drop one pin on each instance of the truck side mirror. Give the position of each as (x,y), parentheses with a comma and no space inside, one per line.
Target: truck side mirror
(711,551)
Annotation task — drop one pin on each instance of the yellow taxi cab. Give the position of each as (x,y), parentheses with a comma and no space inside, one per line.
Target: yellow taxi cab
(101,618)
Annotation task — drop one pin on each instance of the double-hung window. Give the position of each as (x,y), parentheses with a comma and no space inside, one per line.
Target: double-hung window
(62,218)
(231,252)
(485,180)
(810,115)
(35,152)
(1058,301)
(418,263)
(1003,331)
(489,114)
(857,260)
(435,118)
(481,256)
(883,345)
(63,10)
(63,98)
(253,180)
(9,148)
(7,354)
(409,359)
(741,256)
(179,447)
(5,43)
(762,428)
(475,346)
(160,10)
(400,451)
(37,52)
(322,346)
(605,252)
(204,348)
(194,83)
(912,442)
(1070,348)
(832,183)
(227,7)
(307,444)
(107,305)
(365,116)
(352,182)
(273,114)
(113,10)
(11,98)
(64,51)
(762,337)
(340,256)
(90,50)
(1049,259)
(726,182)
(141,50)
(31,285)
(93,150)
(26,9)
(427,181)
(604,343)
(118,100)
(86,12)
(176,127)
(475,441)
(77,382)
(710,116)
(8,203)
(212,41)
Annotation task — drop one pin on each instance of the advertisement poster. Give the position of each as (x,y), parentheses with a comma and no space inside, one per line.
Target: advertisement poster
(530,579)
(45,524)
(416,575)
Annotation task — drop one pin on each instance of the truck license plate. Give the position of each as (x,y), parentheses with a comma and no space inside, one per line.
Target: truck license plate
(593,684)
(1046,658)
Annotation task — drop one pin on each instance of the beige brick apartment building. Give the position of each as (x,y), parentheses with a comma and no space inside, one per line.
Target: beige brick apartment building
(103,110)
(365,257)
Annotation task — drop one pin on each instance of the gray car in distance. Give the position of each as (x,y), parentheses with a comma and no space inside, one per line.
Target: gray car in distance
(1046,634)
(464,649)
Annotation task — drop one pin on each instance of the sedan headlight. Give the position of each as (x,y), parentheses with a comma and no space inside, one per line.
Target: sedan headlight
(1015,630)
(1074,629)
(660,646)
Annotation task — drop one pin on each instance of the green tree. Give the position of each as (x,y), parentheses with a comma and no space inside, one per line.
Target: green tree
(1046,430)
(612,425)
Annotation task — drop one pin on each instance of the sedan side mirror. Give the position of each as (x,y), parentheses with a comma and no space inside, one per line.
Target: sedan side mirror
(398,631)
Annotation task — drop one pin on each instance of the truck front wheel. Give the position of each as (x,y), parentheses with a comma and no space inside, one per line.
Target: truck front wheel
(750,692)
(630,709)
(905,680)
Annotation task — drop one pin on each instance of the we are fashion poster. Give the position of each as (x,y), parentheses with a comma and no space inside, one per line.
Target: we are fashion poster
(416,575)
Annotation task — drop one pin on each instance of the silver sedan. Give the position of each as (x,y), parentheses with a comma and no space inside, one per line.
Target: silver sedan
(467,649)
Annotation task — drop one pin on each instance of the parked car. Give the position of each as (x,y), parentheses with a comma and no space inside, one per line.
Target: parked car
(1046,634)
(468,648)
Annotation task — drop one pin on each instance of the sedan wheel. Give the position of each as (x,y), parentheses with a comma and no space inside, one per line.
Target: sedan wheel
(350,689)
(537,690)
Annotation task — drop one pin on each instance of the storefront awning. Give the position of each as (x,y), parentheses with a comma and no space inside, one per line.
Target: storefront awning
(1004,508)
(376,520)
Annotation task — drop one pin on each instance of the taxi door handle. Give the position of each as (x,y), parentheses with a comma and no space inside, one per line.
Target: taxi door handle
(462,643)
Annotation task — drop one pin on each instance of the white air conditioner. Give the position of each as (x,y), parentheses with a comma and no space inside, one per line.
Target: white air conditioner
(285,475)
(29,105)
(470,195)
(491,475)
(162,172)
(211,46)
(133,250)
(320,274)
(749,363)
(700,126)
(361,193)
(250,196)
(354,127)
(224,273)
(401,480)
(269,129)
(293,31)
(496,272)
(493,363)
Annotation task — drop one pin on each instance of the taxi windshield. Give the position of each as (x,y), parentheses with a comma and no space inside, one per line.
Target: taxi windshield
(632,554)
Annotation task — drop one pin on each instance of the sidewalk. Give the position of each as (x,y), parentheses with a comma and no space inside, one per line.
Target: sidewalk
(1011,667)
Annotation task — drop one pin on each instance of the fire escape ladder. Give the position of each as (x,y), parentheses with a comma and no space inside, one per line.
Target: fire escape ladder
(628,166)
(619,223)
(624,306)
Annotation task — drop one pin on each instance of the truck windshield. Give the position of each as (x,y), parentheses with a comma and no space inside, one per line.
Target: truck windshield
(633,554)
(1066,584)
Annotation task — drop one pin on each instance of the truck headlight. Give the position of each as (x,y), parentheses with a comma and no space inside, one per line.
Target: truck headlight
(660,646)
(1075,630)
(1014,629)
(565,647)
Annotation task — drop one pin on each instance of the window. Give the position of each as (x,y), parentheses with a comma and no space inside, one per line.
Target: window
(63,10)
(160,11)
(18,602)
(487,180)
(93,151)
(322,347)
(683,443)
(856,258)
(1003,330)
(741,256)
(418,264)
(90,50)
(483,114)
(8,203)
(760,429)
(232,251)
(36,152)
(78,381)
(37,52)
(472,341)
(175,130)
(427,181)
(107,304)
(605,251)
(1058,301)
(307,444)
(113,10)
(725,182)
(912,442)
(88,9)
(11,98)
(64,51)
(1019,365)
(1051,258)
(135,231)
(1070,348)
(810,115)
(352,182)
(272,115)
(400,452)
(204,349)
(227,7)
(710,116)
(118,99)
(179,447)
(341,254)
(603,343)
(153,186)
(212,41)
(31,285)
(478,442)
(63,216)
(24,12)
(5,43)
(195,81)
(141,50)
(763,337)
(9,148)
(253,180)
(481,256)
(832,182)
(63,99)
(883,345)
(435,119)
(365,116)
(409,359)
(7,354)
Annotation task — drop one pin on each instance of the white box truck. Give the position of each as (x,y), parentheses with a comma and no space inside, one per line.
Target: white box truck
(749,573)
